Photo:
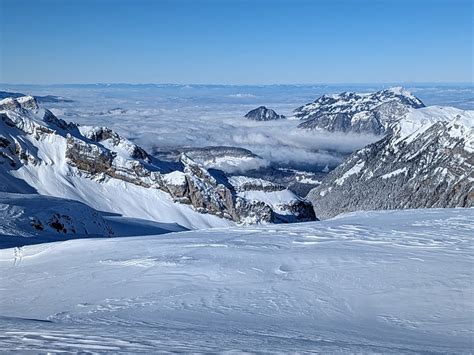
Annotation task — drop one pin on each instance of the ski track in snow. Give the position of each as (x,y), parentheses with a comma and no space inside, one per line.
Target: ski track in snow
(392,281)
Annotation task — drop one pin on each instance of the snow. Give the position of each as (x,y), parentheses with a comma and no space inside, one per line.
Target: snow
(177,178)
(418,121)
(254,189)
(308,180)
(394,173)
(271,198)
(371,282)
(398,90)
(116,196)
(356,169)
(50,174)
(240,182)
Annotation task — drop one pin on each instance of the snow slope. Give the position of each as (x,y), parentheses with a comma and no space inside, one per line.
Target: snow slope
(35,149)
(391,282)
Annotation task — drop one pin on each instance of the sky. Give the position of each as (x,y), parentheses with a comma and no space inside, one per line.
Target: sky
(235,42)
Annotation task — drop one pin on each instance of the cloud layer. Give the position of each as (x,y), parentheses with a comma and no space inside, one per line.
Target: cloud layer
(167,117)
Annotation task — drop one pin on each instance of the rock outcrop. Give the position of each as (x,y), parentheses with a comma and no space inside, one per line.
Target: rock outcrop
(263,114)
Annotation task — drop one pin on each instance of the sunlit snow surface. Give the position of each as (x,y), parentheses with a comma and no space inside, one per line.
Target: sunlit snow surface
(393,281)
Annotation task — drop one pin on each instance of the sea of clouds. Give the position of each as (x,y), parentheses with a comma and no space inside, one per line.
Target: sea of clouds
(172,116)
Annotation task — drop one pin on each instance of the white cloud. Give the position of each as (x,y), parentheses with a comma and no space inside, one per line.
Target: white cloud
(169,117)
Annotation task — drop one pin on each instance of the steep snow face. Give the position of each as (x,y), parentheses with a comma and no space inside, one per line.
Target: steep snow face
(372,282)
(97,166)
(263,114)
(427,161)
(360,113)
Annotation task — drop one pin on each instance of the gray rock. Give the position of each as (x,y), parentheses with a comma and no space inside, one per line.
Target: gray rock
(263,114)
(359,113)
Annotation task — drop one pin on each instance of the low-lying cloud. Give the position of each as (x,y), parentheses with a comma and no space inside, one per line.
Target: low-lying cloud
(170,117)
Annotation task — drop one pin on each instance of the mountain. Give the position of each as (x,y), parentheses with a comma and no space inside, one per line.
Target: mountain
(225,158)
(286,206)
(263,114)
(40,99)
(360,113)
(98,167)
(240,161)
(426,161)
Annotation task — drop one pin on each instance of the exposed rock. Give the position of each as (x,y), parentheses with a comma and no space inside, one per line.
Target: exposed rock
(359,113)
(89,157)
(263,114)
(286,206)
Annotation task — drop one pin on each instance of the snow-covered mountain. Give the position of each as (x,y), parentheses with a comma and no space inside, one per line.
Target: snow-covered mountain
(361,113)
(426,161)
(286,206)
(100,168)
(368,282)
(40,99)
(262,113)
(227,159)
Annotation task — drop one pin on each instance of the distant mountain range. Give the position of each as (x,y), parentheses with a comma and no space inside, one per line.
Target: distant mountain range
(370,113)
(40,99)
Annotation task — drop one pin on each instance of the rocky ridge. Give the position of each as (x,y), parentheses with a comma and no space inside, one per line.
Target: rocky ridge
(360,113)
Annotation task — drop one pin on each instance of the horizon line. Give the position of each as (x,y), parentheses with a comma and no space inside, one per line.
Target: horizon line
(228,84)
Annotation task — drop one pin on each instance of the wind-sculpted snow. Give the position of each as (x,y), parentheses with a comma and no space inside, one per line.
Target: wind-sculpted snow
(427,161)
(383,282)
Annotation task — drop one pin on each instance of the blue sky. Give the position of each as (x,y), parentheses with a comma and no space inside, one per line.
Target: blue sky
(235,42)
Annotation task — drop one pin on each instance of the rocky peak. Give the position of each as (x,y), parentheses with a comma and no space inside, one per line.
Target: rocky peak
(263,114)
(24,102)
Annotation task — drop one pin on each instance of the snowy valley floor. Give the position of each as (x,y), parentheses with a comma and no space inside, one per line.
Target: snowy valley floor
(398,281)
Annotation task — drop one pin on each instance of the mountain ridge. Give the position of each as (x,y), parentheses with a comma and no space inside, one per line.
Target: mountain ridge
(354,112)
(426,161)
